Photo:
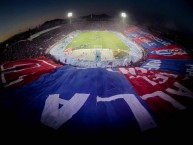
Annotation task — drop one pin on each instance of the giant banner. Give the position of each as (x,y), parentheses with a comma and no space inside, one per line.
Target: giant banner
(182,66)
(78,100)
(20,72)
(171,51)
(164,92)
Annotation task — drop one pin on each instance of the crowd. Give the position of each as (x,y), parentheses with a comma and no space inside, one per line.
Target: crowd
(40,45)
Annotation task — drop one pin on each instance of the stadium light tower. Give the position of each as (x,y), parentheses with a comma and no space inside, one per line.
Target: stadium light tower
(69,16)
(123,15)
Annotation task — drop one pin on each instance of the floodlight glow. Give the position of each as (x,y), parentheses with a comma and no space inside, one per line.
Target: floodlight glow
(123,15)
(69,14)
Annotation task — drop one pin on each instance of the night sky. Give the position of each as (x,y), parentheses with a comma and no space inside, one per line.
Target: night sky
(20,15)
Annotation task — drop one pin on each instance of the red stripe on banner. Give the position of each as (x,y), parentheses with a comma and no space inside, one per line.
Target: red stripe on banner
(171,51)
(160,90)
(132,29)
(20,72)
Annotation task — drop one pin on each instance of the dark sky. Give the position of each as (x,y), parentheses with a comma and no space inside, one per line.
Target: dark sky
(19,15)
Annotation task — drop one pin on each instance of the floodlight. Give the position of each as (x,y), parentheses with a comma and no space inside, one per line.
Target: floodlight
(70,14)
(123,15)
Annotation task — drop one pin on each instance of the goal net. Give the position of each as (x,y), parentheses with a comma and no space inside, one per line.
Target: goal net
(98,46)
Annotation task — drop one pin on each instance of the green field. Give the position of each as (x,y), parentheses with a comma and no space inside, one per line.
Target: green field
(100,39)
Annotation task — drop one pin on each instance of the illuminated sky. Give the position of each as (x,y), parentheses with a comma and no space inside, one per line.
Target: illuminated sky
(19,15)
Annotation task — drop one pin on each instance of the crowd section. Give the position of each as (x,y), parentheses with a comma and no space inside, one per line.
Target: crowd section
(40,45)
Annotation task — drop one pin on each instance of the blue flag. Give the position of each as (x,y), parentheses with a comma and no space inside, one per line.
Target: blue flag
(180,66)
(77,100)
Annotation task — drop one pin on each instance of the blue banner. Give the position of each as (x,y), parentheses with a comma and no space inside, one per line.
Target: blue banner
(180,66)
(78,100)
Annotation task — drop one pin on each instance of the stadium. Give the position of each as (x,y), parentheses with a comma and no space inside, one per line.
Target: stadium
(96,49)
(95,78)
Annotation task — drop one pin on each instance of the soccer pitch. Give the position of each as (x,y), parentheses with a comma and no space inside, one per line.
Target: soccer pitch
(97,38)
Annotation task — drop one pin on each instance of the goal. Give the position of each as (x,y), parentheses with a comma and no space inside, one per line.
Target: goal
(98,46)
